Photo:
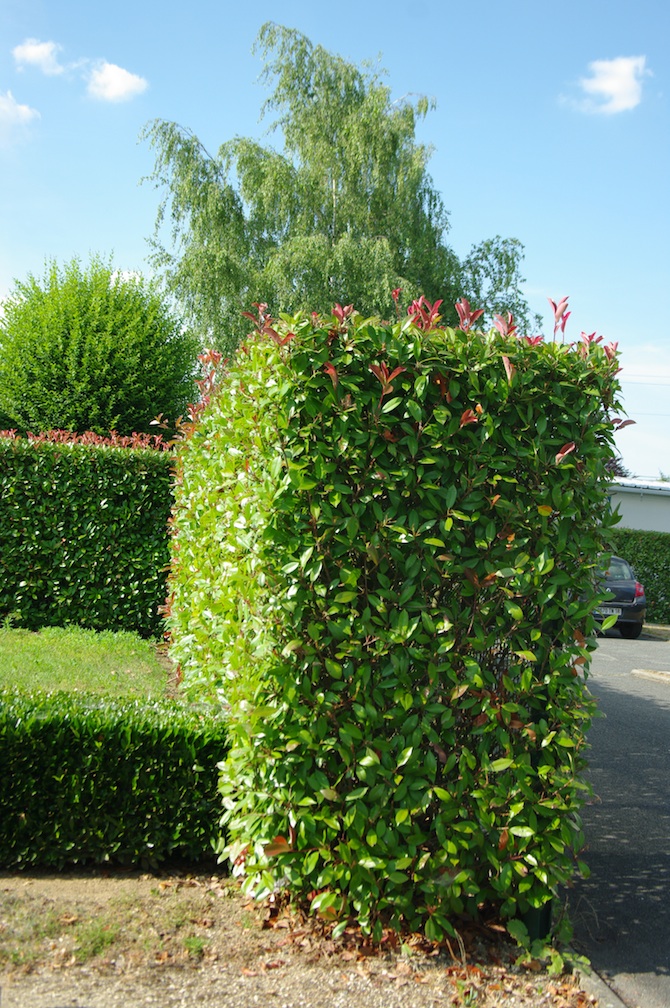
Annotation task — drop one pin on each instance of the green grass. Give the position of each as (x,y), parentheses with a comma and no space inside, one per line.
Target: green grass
(70,658)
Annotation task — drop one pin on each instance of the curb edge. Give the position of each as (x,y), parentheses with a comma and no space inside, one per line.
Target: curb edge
(595,986)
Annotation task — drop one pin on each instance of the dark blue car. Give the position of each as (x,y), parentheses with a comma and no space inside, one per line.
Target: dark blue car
(627,599)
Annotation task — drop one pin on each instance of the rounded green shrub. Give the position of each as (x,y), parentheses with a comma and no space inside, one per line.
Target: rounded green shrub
(87,349)
(383,554)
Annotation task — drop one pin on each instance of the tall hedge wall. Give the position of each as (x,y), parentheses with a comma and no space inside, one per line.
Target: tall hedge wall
(385,541)
(83,534)
(649,553)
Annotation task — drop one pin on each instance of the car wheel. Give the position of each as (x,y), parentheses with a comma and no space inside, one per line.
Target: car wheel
(631,631)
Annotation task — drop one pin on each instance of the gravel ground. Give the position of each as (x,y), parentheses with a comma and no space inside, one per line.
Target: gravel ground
(287,988)
(190,941)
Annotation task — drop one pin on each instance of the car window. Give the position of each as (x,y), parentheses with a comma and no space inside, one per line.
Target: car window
(619,571)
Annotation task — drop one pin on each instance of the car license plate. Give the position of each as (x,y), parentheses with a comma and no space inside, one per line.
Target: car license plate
(609,611)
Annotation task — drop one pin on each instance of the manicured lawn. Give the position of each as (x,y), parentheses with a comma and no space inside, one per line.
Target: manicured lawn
(70,658)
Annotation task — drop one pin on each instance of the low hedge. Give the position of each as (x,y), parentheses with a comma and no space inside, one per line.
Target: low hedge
(649,553)
(99,780)
(83,534)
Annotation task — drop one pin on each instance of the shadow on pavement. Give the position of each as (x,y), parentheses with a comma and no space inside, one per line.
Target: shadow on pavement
(621,914)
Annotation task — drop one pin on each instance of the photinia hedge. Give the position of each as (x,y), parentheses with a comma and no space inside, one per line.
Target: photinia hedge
(84,530)
(384,544)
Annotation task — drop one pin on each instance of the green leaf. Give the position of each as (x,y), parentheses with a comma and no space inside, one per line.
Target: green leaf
(514,610)
(519,932)
(391,404)
(356,794)
(311,862)
(528,656)
(322,901)
(414,409)
(420,385)
(306,555)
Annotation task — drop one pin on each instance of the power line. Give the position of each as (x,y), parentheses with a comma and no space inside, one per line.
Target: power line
(638,413)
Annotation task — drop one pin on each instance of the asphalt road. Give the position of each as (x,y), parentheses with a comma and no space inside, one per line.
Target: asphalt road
(621,914)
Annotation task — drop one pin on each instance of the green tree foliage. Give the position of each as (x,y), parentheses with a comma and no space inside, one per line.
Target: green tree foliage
(346,213)
(87,349)
(375,561)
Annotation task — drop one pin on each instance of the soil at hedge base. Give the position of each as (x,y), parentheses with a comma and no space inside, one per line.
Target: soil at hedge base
(114,939)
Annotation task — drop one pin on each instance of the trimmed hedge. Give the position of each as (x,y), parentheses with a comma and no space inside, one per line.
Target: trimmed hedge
(98,780)
(83,534)
(649,553)
(385,542)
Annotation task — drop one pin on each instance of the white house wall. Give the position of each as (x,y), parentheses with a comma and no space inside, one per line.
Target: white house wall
(642,510)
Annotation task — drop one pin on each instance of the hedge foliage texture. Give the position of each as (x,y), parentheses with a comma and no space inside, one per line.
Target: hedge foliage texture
(385,538)
(649,553)
(97,780)
(83,535)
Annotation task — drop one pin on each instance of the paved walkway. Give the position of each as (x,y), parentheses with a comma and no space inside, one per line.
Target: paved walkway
(622,913)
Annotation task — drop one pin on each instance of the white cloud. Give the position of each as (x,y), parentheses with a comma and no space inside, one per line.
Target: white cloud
(104,81)
(614,85)
(43,55)
(112,83)
(13,116)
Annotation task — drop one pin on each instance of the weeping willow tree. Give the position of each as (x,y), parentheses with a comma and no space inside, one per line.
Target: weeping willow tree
(346,212)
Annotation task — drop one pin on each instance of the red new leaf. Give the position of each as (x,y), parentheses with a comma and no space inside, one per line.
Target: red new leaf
(565,450)
(331,371)
(509,368)
(471,415)
(279,845)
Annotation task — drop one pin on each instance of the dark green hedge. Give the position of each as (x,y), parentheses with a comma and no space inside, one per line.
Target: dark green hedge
(83,535)
(649,553)
(89,779)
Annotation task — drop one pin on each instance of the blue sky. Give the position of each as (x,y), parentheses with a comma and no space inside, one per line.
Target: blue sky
(552,125)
